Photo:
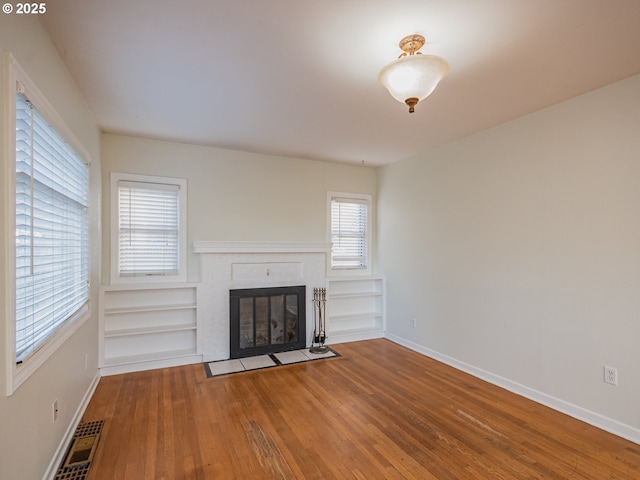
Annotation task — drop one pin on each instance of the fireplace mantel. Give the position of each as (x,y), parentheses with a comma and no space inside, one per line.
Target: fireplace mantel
(226,265)
(203,246)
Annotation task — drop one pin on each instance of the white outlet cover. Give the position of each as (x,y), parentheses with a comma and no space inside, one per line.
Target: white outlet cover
(611,375)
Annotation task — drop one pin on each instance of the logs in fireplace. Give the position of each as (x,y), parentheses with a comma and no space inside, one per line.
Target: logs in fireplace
(267,320)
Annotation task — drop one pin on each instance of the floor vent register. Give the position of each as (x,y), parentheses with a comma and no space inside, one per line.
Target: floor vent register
(83,446)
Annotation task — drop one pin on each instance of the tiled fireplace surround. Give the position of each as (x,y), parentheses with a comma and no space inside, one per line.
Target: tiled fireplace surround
(232,265)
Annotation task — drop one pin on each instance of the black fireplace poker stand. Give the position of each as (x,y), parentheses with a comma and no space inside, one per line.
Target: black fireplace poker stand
(319,329)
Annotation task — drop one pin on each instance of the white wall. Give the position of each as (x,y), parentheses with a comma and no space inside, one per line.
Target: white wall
(28,438)
(235,196)
(518,251)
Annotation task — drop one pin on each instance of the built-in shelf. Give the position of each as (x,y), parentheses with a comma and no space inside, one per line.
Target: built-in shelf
(148,326)
(355,295)
(148,357)
(148,308)
(355,316)
(355,308)
(146,330)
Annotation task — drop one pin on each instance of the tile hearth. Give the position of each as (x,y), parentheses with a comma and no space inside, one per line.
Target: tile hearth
(226,367)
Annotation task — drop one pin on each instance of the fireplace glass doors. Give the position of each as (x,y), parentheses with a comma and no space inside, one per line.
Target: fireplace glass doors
(267,320)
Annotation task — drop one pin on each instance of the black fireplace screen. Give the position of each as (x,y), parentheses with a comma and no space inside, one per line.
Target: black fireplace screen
(267,320)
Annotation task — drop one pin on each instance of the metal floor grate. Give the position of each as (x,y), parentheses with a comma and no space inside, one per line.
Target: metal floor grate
(73,473)
(80,470)
(89,428)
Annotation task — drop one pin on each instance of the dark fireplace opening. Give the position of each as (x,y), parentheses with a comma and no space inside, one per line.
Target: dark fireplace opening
(267,320)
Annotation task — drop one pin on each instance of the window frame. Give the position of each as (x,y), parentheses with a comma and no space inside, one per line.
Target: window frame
(18,373)
(181,183)
(358,198)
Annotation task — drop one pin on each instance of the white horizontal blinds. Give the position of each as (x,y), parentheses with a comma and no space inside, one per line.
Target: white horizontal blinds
(349,232)
(148,228)
(52,230)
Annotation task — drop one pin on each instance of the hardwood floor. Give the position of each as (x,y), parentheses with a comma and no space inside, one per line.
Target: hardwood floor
(379,411)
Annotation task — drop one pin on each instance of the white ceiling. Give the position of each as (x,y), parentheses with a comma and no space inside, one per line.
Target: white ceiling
(298,78)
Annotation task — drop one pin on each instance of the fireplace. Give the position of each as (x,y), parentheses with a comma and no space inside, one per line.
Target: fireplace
(225,266)
(266,320)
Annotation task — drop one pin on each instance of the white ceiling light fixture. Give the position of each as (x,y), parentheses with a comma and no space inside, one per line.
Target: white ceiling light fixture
(413,76)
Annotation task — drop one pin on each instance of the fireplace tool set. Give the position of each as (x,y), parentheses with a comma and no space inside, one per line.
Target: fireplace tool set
(319,331)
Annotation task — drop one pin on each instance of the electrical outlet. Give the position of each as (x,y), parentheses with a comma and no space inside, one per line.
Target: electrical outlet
(413,322)
(611,375)
(54,411)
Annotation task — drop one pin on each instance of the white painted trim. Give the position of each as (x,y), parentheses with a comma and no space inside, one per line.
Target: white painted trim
(61,451)
(592,418)
(44,106)
(9,226)
(351,271)
(150,365)
(340,278)
(181,276)
(337,338)
(18,374)
(204,246)
(120,287)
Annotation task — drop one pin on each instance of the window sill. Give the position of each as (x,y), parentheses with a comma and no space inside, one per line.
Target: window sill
(149,279)
(348,271)
(18,374)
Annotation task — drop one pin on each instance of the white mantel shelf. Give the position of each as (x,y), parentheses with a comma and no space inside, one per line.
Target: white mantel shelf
(259,247)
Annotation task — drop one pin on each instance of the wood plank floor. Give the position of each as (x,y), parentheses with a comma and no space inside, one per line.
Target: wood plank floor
(379,411)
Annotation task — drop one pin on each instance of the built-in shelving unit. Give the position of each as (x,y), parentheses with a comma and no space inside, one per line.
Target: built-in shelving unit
(355,308)
(148,327)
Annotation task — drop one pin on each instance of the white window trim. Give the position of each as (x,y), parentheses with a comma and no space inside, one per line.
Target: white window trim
(346,270)
(16,374)
(181,277)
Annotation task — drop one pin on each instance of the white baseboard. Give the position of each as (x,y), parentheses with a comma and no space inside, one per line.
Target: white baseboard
(58,457)
(597,420)
(335,338)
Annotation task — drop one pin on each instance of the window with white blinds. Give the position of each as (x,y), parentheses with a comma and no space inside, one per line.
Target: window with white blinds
(149,226)
(52,230)
(350,232)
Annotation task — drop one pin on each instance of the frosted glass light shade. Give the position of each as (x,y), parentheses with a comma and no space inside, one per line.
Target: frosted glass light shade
(413,76)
